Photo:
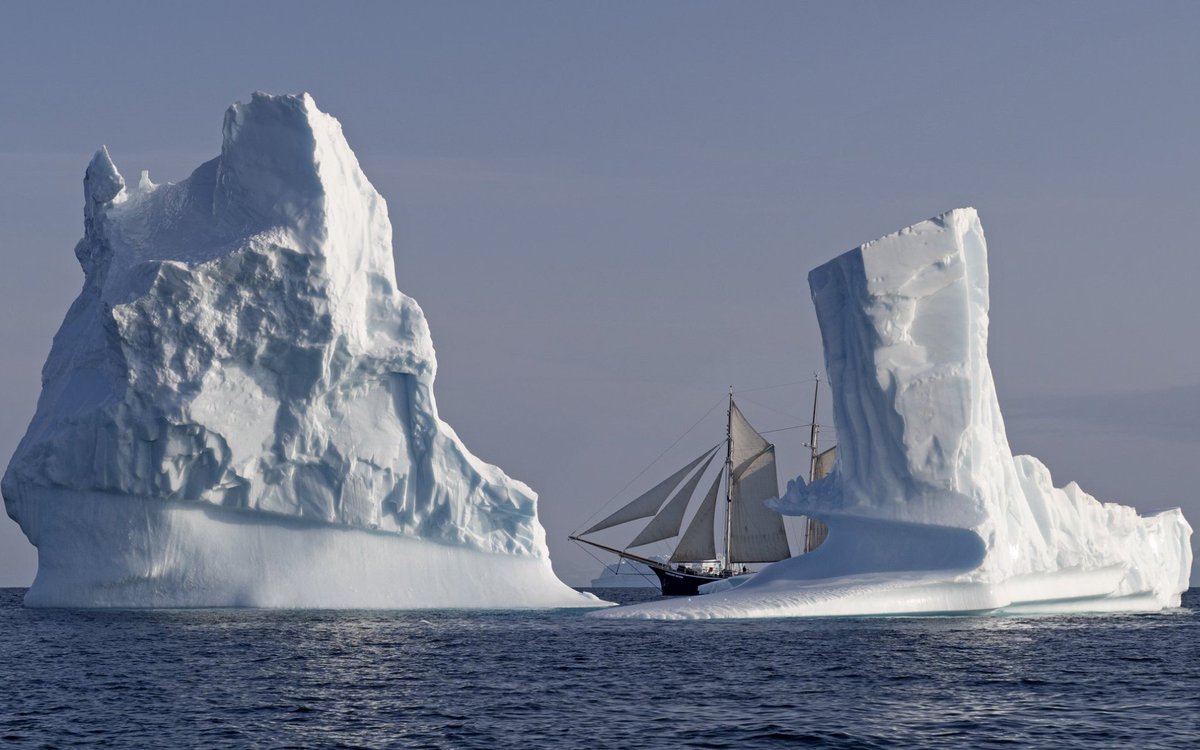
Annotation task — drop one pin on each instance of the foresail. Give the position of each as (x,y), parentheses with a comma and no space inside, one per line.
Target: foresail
(698,542)
(648,503)
(756,532)
(666,524)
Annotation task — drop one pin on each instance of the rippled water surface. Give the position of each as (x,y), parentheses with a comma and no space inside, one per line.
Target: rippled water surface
(455,679)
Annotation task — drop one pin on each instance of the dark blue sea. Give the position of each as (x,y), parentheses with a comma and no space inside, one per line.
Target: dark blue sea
(456,679)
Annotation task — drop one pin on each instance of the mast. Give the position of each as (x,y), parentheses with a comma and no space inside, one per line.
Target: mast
(755,533)
(728,478)
(812,434)
(810,529)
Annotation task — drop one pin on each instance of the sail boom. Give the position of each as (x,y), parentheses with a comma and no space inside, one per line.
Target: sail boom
(627,555)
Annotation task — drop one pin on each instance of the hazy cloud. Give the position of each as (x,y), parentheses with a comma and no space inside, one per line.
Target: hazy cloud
(1169,414)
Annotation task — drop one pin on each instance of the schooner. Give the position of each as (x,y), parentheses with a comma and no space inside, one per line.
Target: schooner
(752,532)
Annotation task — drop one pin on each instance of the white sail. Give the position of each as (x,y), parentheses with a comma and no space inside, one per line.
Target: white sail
(815,533)
(747,443)
(697,542)
(756,532)
(823,463)
(648,503)
(666,524)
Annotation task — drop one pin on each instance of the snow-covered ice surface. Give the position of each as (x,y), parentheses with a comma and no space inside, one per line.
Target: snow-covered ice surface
(238,408)
(928,510)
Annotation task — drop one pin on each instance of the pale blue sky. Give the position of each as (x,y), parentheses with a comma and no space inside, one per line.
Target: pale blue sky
(608,210)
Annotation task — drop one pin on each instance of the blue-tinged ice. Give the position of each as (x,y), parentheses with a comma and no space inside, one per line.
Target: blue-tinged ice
(928,510)
(238,408)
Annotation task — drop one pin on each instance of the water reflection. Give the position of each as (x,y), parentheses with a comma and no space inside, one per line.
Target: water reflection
(556,679)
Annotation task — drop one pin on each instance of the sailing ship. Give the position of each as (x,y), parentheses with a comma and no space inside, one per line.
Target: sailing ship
(753,533)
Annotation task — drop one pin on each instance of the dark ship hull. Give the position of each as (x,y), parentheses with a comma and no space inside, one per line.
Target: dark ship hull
(677,582)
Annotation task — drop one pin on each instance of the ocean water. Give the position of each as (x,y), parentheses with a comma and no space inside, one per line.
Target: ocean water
(457,679)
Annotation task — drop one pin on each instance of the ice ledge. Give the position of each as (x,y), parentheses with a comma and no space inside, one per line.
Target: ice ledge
(191,555)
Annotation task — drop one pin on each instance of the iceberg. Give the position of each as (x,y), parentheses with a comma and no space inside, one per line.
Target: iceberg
(928,510)
(238,409)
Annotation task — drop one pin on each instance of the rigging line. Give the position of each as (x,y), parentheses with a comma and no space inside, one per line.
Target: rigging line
(644,576)
(780,385)
(658,458)
(619,561)
(783,429)
(594,556)
(824,428)
(771,408)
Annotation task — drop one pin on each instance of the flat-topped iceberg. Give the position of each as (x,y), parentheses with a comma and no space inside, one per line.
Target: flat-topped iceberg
(238,408)
(928,510)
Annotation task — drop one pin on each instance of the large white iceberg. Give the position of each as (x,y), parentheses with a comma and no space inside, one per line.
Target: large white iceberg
(928,510)
(238,408)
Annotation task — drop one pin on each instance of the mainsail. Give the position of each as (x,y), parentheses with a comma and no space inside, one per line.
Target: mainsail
(816,532)
(756,532)
(823,463)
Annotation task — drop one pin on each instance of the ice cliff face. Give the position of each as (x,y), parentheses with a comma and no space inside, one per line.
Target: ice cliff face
(240,344)
(905,325)
(928,509)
